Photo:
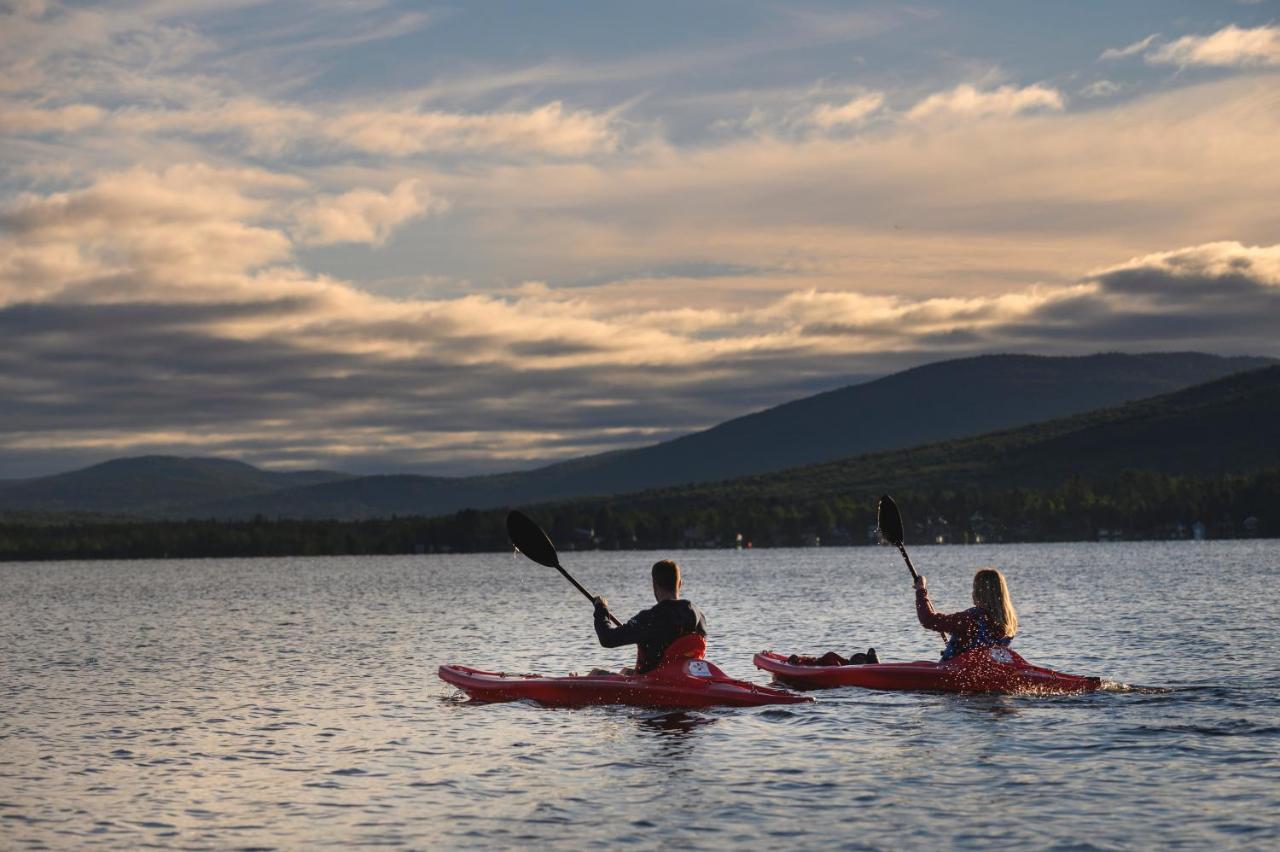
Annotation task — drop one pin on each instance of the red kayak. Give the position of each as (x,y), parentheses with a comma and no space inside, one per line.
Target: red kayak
(683,681)
(982,670)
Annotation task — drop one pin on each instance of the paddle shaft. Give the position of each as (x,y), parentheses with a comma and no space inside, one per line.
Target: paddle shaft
(902,548)
(585,593)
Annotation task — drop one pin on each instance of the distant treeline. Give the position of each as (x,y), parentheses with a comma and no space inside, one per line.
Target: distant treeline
(1132,505)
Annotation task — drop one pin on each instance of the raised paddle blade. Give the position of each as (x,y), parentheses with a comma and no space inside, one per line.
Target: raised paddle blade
(530,540)
(889,521)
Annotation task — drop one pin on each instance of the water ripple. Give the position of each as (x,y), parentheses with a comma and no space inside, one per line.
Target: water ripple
(263,704)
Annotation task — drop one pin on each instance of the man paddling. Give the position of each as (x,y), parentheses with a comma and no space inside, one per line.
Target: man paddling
(653,630)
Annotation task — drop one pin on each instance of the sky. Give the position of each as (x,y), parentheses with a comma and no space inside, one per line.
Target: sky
(455,238)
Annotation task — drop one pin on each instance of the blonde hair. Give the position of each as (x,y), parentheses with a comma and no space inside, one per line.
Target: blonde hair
(991,595)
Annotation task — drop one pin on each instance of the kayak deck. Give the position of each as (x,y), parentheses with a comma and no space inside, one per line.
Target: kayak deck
(982,670)
(682,684)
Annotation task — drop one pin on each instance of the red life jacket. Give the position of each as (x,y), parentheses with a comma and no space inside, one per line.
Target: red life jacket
(691,646)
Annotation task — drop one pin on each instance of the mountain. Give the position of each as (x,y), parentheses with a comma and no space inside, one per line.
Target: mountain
(939,401)
(149,485)
(1210,430)
(936,402)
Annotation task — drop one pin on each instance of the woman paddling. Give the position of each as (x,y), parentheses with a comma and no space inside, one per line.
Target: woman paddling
(992,620)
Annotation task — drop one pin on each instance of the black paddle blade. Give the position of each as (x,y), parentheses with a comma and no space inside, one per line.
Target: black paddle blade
(889,521)
(530,540)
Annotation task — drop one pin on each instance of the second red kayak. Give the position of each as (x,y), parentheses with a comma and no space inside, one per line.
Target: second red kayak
(981,670)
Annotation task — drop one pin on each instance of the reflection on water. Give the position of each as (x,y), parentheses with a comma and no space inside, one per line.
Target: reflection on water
(293,703)
(676,725)
(994,706)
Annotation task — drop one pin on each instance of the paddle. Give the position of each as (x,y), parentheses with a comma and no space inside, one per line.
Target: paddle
(530,540)
(889,522)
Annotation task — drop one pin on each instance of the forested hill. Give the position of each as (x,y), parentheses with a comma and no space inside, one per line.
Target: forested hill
(1152,468)
(1214,429)
(937,402)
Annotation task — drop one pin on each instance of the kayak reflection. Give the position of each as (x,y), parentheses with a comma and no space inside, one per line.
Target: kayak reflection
(674,725)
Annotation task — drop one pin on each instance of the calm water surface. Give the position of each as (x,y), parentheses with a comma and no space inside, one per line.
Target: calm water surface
(294,703)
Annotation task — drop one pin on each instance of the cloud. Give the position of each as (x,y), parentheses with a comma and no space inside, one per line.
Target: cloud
(26,8)
(912,208)
(1194,297)
(363,215)
(1128,50)
(1222,269)
(690,276)
(18,119)
(549,129)
(134,230)
(854,111)
(1101,89)
(60,51)
(154,70)
(269,128)
(364,23)
(966,100)
(274,128)
(1229,46)
(787,111)
(179,306)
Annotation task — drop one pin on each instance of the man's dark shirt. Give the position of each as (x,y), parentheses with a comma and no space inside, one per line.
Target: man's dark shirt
(652,630)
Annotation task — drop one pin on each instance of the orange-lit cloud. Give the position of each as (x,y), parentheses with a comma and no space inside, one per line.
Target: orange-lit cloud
(967,100)
(288,246)
(1228,46)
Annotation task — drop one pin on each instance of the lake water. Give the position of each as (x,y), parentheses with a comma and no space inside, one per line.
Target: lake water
(295,703)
